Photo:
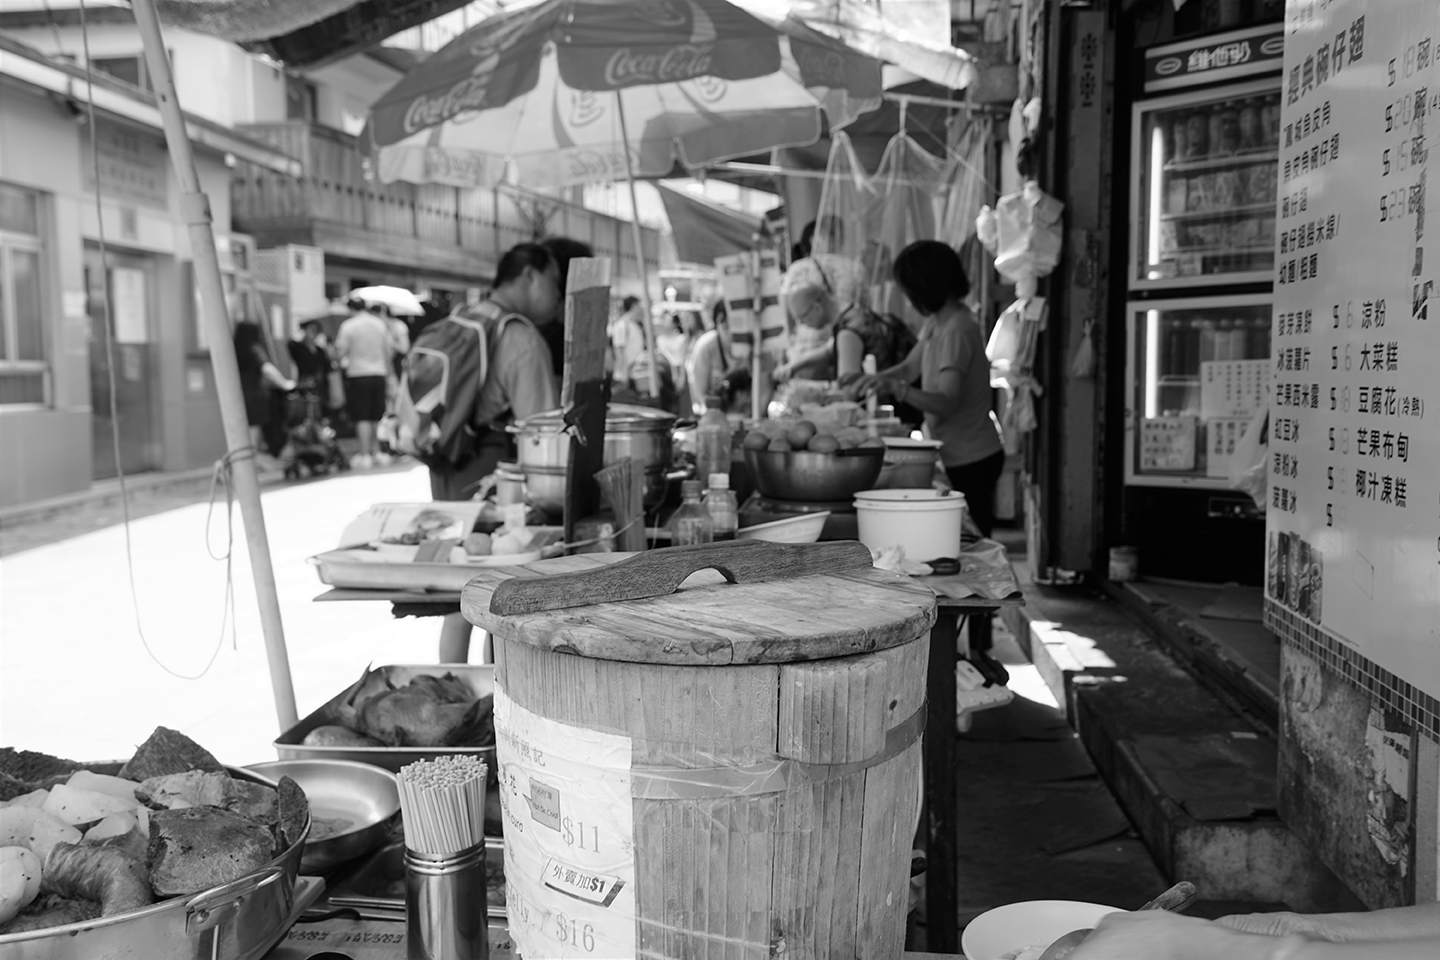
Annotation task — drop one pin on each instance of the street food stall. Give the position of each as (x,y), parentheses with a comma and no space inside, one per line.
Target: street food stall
(744,721)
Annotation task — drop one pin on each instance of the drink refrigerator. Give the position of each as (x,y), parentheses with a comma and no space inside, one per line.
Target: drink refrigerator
(1205,143)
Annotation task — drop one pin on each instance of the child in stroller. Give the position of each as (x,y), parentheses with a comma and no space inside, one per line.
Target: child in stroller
(311,446)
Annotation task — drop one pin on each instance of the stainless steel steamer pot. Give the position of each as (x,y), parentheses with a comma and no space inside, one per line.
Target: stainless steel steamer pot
(640,433)
(239,920)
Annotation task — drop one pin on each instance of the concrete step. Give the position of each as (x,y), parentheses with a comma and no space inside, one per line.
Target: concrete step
(1194,771)
(1231,653)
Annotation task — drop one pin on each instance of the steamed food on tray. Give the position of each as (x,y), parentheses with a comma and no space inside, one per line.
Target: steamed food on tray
(427,711)
(82,841)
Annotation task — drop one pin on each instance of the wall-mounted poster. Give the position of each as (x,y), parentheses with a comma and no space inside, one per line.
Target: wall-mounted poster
(1354,493)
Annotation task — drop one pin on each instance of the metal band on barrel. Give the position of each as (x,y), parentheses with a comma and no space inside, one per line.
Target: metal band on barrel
(772,776)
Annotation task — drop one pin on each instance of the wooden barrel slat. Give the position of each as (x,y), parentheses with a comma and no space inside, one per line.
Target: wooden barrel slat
(821,678)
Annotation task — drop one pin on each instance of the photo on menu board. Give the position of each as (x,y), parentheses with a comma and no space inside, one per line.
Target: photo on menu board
(1295,574)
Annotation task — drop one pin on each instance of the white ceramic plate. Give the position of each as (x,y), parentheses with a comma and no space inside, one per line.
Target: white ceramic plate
(1015,926)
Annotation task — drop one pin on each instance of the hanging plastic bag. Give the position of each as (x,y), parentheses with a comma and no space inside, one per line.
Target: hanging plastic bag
(1024,232)
(1248,469)
(1011,348)
(1082,364)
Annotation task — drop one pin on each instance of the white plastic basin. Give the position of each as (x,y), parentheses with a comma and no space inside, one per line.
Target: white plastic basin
(925,521)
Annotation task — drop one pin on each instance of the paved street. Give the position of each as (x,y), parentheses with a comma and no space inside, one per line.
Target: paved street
(77,680)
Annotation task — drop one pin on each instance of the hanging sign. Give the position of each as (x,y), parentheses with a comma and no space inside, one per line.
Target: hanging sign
(1353,528)
(1212,59)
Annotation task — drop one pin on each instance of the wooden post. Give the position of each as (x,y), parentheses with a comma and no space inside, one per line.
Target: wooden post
(195,207)
(941,896)
(649,322)
(583,393)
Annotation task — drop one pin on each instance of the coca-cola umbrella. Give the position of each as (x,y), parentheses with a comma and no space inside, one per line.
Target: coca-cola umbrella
(578,91)
(551,94)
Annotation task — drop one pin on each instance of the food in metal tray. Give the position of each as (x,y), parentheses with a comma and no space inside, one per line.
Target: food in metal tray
(428,711)
(79,843)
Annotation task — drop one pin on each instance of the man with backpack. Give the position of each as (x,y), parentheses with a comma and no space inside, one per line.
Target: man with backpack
(470,373)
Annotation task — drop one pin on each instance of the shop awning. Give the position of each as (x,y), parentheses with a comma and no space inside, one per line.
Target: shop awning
(304,33)
(704,229)
(309,33)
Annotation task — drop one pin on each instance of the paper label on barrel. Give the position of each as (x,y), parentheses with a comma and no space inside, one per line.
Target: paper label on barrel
(569,838)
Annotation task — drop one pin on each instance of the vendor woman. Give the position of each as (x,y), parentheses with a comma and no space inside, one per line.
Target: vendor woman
(953,376)
(815,293)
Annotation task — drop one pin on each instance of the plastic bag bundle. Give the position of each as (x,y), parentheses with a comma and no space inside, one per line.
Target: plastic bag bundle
(840,228)
(964,191)
(1024,232)
(905,208)
(1011,352)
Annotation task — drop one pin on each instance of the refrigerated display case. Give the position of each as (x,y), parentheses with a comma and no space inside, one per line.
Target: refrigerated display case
(1199,370)
(1204,183)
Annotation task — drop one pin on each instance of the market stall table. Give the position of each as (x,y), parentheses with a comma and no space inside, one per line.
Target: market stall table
(984,585)
(941,802)
(359,939)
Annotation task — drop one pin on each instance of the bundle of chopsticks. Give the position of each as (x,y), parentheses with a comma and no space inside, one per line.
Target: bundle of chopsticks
(623,484)
(442,804)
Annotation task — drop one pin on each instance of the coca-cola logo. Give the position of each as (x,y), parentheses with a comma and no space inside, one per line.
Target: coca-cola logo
(710,89)
(820,67)
(588,165)
(685,61)
(468,94)
(445,167)
(585,108)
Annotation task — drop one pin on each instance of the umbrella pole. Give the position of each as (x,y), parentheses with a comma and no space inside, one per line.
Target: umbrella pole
(195,207)
(649,322)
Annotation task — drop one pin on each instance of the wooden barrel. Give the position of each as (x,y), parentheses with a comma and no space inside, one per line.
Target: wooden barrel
(727,771)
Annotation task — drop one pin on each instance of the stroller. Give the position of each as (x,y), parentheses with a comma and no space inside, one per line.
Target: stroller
(311,448)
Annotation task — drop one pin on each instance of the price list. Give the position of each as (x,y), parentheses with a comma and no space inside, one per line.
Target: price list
(1353,529)
(569,844)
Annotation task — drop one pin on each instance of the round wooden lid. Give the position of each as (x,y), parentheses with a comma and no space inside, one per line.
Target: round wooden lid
(788,603)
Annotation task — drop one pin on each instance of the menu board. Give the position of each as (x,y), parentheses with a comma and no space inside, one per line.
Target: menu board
(1353,530)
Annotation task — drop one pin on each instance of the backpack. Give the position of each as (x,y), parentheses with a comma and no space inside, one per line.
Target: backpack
(883,334)
(440,385)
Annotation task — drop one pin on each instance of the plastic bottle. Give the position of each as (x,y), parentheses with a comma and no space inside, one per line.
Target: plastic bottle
(724,511)
(691,523)
(712,442)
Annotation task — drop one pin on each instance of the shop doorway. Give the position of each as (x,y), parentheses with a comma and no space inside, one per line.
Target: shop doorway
(131,282)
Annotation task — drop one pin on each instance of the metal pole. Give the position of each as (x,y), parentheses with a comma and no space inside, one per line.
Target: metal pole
(649,322)
(195,208)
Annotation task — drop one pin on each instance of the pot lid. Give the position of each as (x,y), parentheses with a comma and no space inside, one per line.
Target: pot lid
(791,603)
(616,415)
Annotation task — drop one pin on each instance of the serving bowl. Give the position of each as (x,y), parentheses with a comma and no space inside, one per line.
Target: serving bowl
(350,807)
(1004,930)
(810,476)
(805,528)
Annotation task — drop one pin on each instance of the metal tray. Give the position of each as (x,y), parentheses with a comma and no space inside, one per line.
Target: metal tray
(357,568)
(479,677)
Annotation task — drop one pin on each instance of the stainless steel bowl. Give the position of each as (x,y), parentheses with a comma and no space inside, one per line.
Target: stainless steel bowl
(363,795)
(239,920)
(814,477)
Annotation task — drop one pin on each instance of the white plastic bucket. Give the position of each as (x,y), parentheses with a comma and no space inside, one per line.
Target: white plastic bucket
(926,522)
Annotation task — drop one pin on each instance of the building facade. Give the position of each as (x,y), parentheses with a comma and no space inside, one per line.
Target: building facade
(58,373)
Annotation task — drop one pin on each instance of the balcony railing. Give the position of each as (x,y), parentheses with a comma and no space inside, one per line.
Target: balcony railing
(451,224)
